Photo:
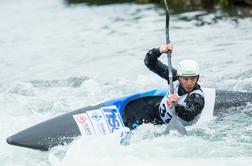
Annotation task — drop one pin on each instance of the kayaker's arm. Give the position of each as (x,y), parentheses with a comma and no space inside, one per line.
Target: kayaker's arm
(194,106)
(152,62)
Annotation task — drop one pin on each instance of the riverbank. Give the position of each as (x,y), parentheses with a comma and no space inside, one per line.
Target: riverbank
(176,3)
(241,8)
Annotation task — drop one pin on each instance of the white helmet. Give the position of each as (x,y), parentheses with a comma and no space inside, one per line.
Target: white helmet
(188,67)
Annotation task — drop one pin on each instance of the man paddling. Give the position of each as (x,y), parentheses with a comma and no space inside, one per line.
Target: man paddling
(188,98)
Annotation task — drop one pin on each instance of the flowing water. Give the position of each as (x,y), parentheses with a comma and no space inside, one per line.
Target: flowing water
(56,58)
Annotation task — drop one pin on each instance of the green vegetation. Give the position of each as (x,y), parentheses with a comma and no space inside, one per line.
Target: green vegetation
(174,4)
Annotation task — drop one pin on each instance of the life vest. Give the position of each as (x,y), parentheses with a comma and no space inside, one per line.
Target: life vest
(165,107)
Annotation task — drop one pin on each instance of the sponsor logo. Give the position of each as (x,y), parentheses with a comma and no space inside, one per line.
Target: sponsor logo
(87,129)
(104,131)
(113,118)
(84,124)
(97,117)
(99,122)
(81,118)
(169,104)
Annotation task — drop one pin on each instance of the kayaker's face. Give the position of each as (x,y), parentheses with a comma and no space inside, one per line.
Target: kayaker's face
(188,82)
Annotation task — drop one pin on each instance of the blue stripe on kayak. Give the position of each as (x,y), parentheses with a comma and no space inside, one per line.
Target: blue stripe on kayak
(121,102)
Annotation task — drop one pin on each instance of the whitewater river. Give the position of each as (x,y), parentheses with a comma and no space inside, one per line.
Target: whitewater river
(56,58)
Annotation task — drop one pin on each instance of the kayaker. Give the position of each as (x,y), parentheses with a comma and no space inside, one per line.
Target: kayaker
(188,98)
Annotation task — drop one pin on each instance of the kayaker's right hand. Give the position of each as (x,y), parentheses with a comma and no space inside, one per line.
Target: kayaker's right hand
(165,48)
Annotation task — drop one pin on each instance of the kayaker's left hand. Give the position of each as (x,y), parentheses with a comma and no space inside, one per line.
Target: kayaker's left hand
(173,98)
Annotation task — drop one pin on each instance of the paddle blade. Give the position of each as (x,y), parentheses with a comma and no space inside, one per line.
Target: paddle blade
(175,124)
(125,136)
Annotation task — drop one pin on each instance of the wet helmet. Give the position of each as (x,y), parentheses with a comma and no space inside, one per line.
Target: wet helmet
(188,68)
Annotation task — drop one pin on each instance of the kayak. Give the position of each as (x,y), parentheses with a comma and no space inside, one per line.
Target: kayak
(110,116)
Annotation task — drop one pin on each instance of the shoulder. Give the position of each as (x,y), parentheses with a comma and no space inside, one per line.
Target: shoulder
(197,91)
(197,96)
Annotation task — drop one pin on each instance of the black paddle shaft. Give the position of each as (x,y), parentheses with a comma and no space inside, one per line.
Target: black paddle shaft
(169,54)
(174,122)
